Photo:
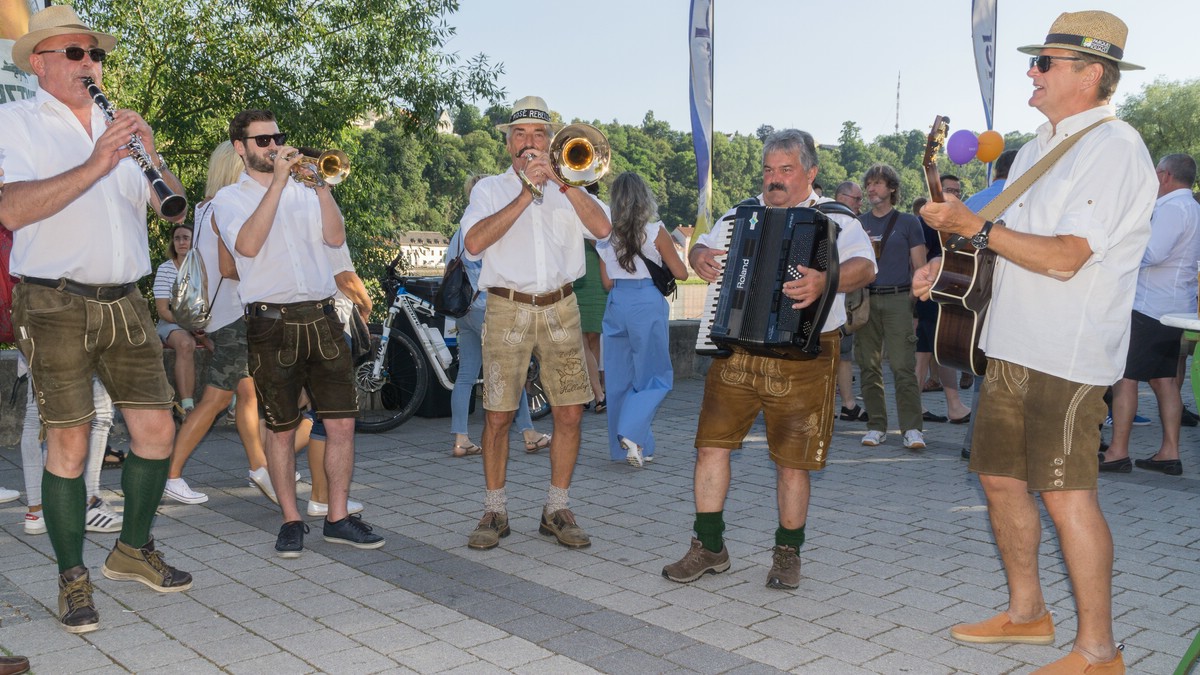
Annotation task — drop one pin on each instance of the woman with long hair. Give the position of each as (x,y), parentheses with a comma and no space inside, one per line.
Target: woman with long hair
(637,360)
(227,367)
(171,333)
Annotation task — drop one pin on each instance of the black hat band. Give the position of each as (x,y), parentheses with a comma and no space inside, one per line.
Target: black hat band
(530,113)
(1091,44)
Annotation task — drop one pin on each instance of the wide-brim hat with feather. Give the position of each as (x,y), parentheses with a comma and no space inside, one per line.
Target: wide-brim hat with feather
(1090,32)
(530,110)
(52,21)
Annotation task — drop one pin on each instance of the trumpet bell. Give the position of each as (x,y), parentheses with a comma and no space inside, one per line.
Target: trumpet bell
(580,154)
(333,166)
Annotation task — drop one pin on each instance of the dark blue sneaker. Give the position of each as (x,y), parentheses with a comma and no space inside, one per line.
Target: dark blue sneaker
(352,531)
(290,542)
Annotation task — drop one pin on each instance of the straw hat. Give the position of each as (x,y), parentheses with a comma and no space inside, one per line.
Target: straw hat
(1091,32)
(530,110)
(52,21)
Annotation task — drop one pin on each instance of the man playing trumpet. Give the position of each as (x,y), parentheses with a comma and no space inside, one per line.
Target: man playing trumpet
(532,249)
(278,231)
(76,203)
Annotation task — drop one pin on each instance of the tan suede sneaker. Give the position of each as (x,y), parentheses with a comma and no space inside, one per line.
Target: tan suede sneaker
(146,565)
(561,524)
(697,562)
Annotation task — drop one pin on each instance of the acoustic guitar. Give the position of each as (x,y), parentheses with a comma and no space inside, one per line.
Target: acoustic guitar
(963,287)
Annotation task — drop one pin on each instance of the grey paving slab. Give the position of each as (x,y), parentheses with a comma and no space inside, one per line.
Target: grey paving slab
(899,549)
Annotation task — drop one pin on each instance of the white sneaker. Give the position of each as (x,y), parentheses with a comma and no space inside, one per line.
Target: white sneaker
(914,440)
(262,479)
(7,495)
(319,509)
(873,438)
(35,523)
(100,518)
(180,491)
(633,453)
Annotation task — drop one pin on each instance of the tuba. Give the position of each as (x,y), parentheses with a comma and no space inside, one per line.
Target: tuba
(579,156)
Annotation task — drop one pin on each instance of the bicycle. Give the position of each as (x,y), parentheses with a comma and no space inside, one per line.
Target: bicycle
(407,354)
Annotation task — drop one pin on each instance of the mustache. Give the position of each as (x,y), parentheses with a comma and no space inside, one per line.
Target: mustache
(525,150)
(776,186)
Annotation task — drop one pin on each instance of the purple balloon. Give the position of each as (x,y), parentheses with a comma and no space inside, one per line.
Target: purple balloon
(962,146)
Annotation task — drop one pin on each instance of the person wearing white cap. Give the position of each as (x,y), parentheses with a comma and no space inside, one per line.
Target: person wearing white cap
(76,203)
(1056,333)
(532,249)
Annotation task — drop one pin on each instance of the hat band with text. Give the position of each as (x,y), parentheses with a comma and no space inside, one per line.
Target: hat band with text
(530,113)
(1089,43)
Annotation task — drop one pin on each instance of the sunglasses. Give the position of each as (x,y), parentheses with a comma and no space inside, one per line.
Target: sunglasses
(76,53)
(1044,62)
(264,140)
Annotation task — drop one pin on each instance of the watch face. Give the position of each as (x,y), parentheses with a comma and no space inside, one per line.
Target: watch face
(980,241)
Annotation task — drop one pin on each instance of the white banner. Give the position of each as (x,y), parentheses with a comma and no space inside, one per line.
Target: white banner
(983,35)
(700,41)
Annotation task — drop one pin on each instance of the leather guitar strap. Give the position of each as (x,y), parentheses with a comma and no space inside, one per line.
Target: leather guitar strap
(1010,193)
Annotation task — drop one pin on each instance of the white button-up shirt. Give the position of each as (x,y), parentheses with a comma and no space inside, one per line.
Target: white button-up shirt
(292,265)
(852,242)
(1167,280)
(1102,190)
(99,238)
(222,293)
(542,251)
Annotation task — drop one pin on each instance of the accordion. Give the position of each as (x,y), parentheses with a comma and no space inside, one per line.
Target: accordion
(746,310)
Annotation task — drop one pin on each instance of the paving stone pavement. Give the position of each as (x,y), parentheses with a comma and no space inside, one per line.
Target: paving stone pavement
(898,550)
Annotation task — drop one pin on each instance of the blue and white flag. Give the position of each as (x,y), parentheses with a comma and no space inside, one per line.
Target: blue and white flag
(700,41)
(983,35)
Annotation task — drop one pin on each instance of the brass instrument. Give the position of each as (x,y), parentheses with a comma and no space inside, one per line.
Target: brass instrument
(579,156)
(318,169)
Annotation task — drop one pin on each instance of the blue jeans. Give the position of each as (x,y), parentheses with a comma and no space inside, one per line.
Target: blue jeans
(470,362)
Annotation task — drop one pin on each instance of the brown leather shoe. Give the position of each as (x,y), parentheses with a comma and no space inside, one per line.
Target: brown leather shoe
(1076,664)
(13,665)
(1000,628)
(492,526)
(697,562)
(561,524)
(785,568)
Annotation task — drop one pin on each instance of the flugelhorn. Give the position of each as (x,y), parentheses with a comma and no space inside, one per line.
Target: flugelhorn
(169,203)
(579,155)
(318,169)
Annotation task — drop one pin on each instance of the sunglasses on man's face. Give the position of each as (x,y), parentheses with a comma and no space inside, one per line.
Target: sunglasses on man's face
(1044,62)
(264,140)
(76,53)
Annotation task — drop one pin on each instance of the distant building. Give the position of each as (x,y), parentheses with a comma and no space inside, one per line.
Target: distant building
(422,251)
(445,125)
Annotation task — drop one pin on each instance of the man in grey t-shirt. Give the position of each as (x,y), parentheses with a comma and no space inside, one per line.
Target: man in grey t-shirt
(899,249)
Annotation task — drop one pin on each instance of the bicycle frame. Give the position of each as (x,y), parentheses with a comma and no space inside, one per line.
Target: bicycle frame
(411,306)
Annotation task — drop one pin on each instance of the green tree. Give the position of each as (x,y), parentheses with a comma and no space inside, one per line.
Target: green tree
(190,65)
(1167,115)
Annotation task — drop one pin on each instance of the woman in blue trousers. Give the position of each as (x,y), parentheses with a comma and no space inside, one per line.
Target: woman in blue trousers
(637,361)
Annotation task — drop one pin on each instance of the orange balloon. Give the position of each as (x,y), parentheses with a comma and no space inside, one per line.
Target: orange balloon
(991,144)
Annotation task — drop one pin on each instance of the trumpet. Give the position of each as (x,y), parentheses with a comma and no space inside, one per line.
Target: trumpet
(318,169)
(579,156)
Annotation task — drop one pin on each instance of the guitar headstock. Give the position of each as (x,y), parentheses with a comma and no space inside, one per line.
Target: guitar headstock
(933,147)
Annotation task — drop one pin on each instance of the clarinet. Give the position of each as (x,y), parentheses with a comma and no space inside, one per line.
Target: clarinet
(170,204)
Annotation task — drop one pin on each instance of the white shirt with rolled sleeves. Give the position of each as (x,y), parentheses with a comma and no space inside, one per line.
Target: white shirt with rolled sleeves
(293,264)
(222,293)
(852,242)
(1167,281)
(99,238)
(1102,190)
(542,251)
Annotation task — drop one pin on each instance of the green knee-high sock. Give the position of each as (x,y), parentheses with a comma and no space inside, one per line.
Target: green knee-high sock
(786,537)
(143,481)
(709,528)
(64,503)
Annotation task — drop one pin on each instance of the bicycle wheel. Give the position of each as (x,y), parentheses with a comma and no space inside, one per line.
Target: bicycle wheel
(388,401)
(539,406)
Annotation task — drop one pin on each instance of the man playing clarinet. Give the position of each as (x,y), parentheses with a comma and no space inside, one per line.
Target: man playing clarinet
(76,203)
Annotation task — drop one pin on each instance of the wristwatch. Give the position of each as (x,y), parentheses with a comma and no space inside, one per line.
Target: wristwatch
(980,240)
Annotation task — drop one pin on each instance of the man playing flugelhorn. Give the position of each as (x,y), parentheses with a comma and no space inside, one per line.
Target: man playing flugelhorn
(77,203)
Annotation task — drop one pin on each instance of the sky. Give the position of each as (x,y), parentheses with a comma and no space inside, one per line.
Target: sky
(798,63)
